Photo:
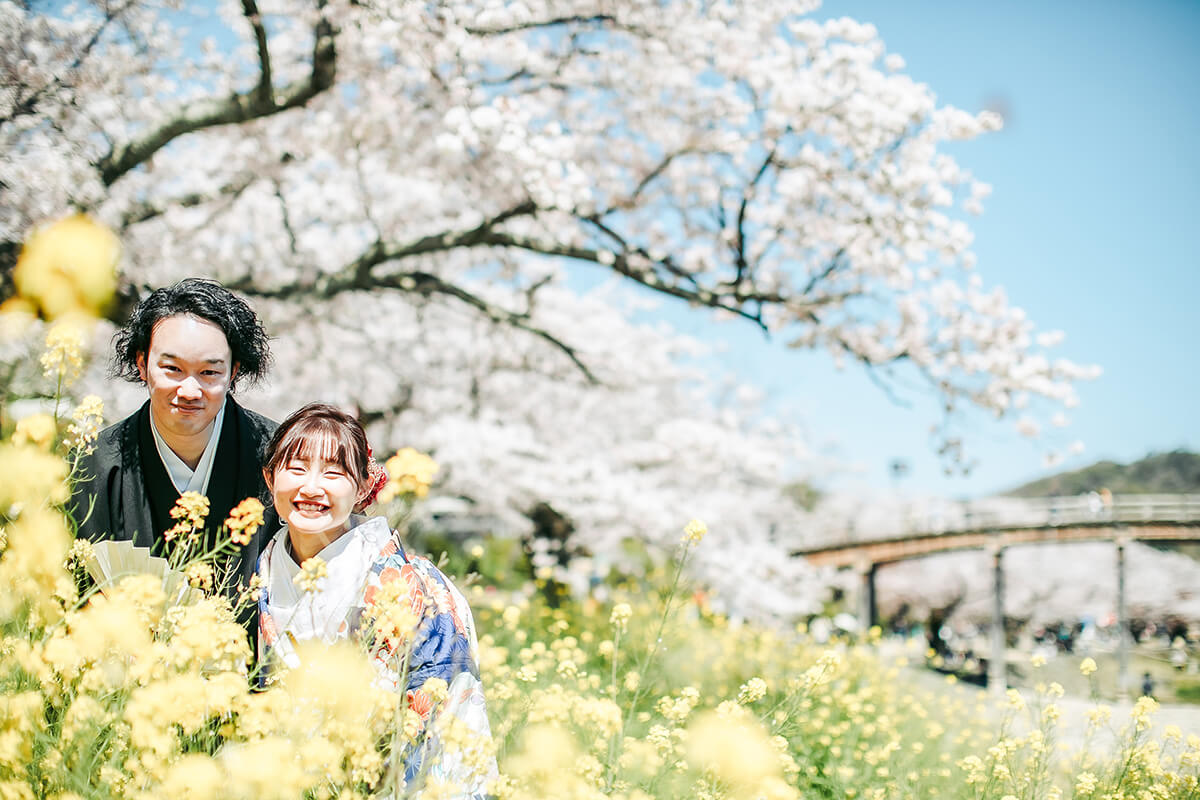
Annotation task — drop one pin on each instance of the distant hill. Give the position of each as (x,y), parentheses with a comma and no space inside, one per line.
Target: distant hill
(1177,472)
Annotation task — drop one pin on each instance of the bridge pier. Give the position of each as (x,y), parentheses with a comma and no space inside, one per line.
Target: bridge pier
(1123,634)
(868,611)
(998,662)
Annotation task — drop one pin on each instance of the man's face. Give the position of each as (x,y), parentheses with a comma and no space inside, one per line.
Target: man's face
(188,371)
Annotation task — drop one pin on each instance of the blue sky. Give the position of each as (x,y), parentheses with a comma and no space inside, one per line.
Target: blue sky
(1091,228)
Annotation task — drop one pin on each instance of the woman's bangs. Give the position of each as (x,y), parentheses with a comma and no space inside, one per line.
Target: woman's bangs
(315,439)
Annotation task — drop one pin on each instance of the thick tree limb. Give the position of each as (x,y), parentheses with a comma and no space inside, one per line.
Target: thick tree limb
(239,107)
(357,275)
(250,9)
(630,261)
(621,264)
(577,19)
(422,283)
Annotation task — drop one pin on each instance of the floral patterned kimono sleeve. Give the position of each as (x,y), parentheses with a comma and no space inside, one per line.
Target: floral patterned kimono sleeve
(424,644)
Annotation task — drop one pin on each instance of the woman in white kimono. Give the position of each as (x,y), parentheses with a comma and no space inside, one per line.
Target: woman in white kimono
(411,619)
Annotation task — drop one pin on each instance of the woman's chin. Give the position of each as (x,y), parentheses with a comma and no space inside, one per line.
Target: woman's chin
(309,526)
(322,528)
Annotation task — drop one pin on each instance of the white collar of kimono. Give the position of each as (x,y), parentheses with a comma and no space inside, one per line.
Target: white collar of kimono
(319,615)
(184,477)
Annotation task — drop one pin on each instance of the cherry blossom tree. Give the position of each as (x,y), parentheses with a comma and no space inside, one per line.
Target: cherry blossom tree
(414,194)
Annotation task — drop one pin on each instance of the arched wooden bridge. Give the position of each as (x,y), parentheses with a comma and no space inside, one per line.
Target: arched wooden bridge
(1002,522)
(999,523)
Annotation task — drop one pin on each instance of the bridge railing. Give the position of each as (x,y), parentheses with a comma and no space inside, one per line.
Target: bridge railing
(1081,510)
(949,517)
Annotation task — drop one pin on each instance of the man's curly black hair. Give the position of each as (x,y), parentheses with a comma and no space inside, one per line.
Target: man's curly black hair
(199,297)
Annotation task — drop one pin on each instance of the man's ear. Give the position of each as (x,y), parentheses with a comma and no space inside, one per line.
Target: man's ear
(140,360)
(233,372)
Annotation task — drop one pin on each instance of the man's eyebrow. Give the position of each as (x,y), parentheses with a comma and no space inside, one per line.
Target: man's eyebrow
(217,360)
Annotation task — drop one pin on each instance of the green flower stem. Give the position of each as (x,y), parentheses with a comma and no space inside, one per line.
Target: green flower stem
(647,661)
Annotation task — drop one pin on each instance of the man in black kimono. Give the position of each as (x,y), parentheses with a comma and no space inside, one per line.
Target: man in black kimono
(191,344)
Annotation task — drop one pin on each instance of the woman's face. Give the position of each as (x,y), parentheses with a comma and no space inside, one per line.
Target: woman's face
(314,497)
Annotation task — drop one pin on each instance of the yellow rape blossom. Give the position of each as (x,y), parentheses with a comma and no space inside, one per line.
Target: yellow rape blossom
(197,777)
(31,476)
(752,691)
(68,267)
(1085,783)
(619,618)
(38,430)
(410,472)
(390,615)
(252,592)
(436,688)
(31,569)
(192,508)
(62,358)
(79,555)
(1100,715)
(693,532)
(244,520)
(312,571)
(740,755)
(200,576)
(1143,709)
(87,420)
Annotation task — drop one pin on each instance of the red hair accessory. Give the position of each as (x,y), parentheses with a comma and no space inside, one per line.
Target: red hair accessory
(377,478)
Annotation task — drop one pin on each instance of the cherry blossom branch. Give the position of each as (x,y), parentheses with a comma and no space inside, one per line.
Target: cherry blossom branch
(625,247)
(830,268)
(28,105)
(285,219)
(145,211)
(649,177)
(739,252)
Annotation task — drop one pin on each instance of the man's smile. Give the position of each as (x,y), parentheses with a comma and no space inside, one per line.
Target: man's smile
(187,409)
